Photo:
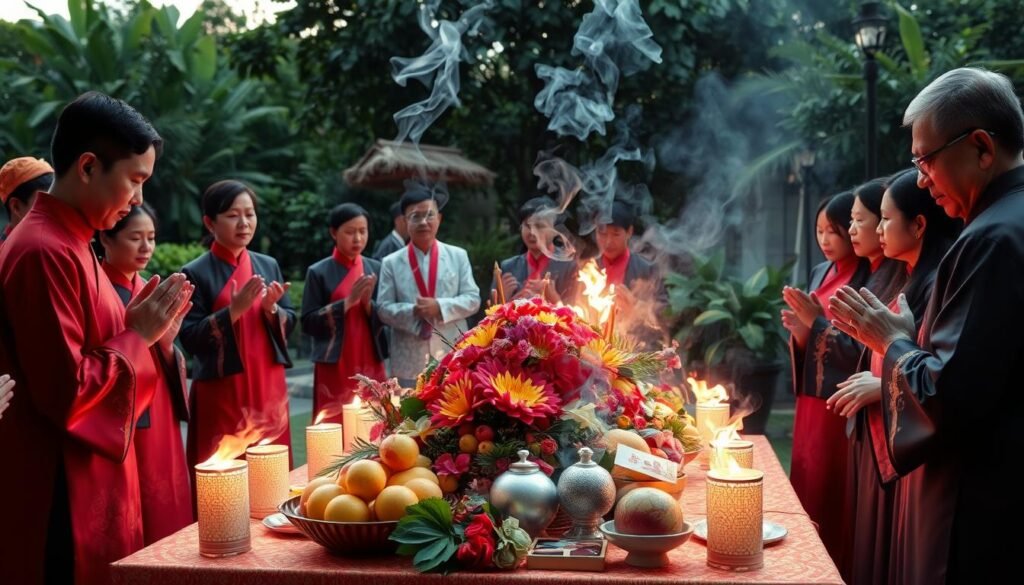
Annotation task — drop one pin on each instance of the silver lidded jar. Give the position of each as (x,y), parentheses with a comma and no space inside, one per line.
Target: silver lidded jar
(586,492)
(527,494)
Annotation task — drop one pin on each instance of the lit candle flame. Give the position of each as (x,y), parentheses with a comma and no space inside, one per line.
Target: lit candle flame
(714,395)
(256,429)
(600,297)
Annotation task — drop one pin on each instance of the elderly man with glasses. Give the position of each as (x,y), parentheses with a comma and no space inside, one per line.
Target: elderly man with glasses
(952,399)
(426,289)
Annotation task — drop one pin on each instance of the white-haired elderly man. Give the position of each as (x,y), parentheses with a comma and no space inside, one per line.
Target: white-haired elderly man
(952,399)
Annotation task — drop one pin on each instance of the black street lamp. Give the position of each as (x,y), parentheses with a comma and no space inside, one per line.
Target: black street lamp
(804,161)
(870,36)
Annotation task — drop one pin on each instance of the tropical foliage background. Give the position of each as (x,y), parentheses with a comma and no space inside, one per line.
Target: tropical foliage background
(287,106)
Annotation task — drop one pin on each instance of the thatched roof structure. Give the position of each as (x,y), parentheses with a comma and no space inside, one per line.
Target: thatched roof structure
(387,164)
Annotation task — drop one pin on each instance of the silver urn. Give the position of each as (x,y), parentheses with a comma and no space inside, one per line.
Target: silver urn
(526,494)
(586,492)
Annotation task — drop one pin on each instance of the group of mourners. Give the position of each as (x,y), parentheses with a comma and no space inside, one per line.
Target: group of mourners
(93,438)
(903,353)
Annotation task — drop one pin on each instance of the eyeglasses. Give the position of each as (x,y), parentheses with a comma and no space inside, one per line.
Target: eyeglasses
(919,162)
(420,217)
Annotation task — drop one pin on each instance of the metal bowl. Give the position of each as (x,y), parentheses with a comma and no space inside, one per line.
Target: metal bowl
(646,550)
(343,538)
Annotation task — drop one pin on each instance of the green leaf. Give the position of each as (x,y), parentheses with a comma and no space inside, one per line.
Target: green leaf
(412,407)
(913,43)
(204,58)
(715,352)
(711,316)
(430,553)
(753,336)
(42,112)
(189,32)
(756,283)
(76,10)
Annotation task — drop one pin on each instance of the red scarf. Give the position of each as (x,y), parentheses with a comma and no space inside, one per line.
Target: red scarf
(616,269)
(425,291)
(839,275)
(414,265)
(537,267)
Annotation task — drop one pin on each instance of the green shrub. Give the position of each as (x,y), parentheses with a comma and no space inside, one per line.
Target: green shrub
(170,258)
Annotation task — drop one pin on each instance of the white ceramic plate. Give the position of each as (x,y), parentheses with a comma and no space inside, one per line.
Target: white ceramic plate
(279,523)
(770,531)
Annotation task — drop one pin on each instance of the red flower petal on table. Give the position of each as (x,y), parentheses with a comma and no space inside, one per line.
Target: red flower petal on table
(478,549)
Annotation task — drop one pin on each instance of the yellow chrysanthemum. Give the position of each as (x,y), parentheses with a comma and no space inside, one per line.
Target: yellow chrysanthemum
(455,403)
(480,336)
(517,389)
(547,317)
(520,398)
(600,352)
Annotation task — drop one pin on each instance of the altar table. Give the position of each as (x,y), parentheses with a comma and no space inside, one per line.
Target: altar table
(286,560)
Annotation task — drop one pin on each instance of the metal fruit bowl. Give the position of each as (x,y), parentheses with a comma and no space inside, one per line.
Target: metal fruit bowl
(343,538)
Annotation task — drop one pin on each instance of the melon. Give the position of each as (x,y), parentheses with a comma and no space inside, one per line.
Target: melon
(615,437)
(648,511)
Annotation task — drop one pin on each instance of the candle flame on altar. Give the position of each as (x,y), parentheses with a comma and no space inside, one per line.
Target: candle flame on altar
(259,429)
(722,461)
(329,412)
(233,446)
(600,297)
(708,396)
(726,434)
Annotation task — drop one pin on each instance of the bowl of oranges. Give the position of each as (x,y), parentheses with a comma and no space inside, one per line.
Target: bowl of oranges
(354,512)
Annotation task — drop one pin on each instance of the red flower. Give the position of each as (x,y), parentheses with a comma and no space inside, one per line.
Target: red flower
(544,466)
(446,465)
(548,446)
(478,549)
(639,423)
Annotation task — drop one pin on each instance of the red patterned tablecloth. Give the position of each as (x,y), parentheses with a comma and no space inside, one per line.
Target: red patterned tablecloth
(284,560)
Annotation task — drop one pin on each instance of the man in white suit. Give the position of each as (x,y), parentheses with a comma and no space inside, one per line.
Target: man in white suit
(426,289)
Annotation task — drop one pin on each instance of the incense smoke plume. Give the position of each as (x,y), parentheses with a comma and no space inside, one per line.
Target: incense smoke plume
(437,69)
(614,41)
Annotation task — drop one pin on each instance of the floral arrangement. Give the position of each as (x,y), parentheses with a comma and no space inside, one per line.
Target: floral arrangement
(469,534)
(530,375)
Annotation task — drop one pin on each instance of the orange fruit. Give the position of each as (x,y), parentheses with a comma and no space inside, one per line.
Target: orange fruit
(485,447)
(391,503)
(318,500)
(342,474)
(365,479)
(468,443)
(306,491)
(423,461)
(449,483)
(403,477)
(347,508)
(424,488)
(373,513)
(399,452)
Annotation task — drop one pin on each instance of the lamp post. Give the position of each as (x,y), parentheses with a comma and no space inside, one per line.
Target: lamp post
(870,37)
(803,160)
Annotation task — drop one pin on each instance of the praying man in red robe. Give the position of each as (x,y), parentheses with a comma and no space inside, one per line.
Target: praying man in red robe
(82,360)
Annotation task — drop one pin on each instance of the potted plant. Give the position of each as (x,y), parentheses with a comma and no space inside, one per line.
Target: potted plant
(729,330)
